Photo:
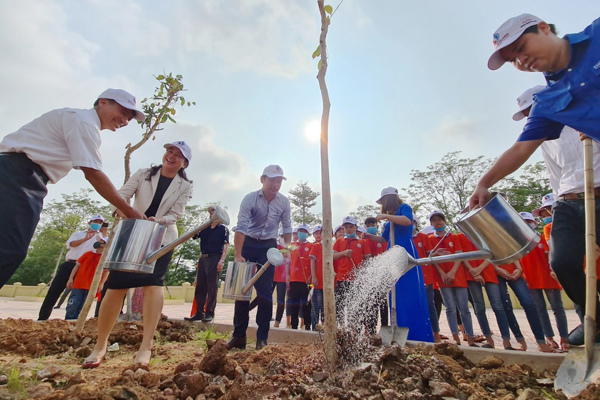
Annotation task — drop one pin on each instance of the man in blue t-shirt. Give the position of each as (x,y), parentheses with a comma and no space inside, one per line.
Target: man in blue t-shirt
(571,67)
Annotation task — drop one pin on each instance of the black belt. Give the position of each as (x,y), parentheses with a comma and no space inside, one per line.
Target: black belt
(251,239)
(209,255)
(578,196)
(72,261)
(36,167)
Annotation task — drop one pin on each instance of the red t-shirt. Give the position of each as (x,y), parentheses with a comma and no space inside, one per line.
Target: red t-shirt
(280,269)
(452,244)
(317,254)
(488,274)
(360,250)
(87,268)
(376,247)
(300,262)
(424,246)
(536,269)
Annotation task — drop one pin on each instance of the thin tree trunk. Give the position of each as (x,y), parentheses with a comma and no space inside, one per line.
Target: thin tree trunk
(327,233)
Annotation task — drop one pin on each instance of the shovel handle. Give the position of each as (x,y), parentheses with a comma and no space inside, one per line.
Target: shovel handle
(258,274)
(590,250)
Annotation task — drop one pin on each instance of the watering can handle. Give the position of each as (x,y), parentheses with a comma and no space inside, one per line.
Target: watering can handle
(258,274)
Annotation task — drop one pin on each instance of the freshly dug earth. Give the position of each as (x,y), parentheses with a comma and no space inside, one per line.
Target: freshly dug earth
(42,360)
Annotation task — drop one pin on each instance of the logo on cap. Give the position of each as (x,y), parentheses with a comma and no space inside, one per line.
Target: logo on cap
(496,38)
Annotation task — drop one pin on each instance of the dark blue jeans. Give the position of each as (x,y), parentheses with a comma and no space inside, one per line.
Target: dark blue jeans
(256,251)
(524,295)
(75,303)
(206,284)
(567,248)
(23,188)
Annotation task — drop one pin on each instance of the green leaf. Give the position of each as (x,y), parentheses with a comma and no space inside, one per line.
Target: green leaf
(182,101)
(319,65)
(328,21)
(317,52)
(328,9)
(160,77)
(164,119)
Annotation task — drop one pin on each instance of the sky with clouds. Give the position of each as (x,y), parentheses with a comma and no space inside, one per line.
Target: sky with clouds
(408,83)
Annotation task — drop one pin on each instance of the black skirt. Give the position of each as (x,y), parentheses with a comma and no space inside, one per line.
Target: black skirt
(128,280)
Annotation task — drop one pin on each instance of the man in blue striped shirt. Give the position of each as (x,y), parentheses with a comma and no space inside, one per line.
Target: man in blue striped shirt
(260,215)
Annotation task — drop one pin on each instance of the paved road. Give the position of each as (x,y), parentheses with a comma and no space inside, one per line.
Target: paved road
(10,308)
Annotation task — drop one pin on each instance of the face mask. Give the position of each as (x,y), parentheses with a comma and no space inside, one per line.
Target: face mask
(95,226)
(372,230)
(302,236)
(350,236)
(442,229)
(547,220)
(532,225)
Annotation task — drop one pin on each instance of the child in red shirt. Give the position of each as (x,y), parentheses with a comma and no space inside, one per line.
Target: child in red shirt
(316,274)
(81,278)
(452,278)
(299,278)
(349,251)
(371,227)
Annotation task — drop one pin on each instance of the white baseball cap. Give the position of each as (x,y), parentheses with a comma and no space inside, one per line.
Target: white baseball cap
(337,228)
(428,230)
(525,100)
(273,171)
(295,230)
(349,220)
(186,150)
(507,34)
(125,99)
(441,214)
(317,228)
(361,229)
(385,192)
(547,201)
(97,216)
(303,226)
(527,216)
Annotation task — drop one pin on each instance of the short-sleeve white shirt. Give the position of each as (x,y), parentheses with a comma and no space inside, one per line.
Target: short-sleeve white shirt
(564,161)
(59,141)
(75,252)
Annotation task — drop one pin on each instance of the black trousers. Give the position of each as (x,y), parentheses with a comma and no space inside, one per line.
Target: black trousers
(22,192)
(298,298)
(206,284)
(58,285)
(256,251)
(567,248)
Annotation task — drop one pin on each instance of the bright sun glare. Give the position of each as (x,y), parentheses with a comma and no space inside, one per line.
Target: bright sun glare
(312,130)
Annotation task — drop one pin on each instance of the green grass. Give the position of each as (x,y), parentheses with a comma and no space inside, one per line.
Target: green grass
(210,334)
(15,383)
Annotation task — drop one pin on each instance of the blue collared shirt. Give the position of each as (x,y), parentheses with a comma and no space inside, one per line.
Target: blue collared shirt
(573,95)
(260,219)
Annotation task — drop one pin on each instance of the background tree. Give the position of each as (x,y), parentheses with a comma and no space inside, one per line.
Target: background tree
(366,211)
(446,185)
(159,109)
(303,199)
(525,192)
(58,221)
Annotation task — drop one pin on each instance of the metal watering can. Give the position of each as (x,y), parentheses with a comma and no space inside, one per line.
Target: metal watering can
(137,243)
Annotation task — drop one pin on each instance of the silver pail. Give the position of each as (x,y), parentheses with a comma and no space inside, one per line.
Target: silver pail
(499,229)
(238,275)
(134,240)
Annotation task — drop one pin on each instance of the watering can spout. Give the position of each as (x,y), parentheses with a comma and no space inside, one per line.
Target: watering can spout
(467,256)
(220,216)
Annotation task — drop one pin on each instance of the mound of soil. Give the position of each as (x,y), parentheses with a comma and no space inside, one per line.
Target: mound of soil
(184,367)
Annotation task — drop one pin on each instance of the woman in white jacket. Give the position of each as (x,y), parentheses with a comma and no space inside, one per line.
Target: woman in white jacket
(161,192)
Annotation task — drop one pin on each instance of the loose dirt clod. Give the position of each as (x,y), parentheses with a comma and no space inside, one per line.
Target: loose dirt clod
(182,370)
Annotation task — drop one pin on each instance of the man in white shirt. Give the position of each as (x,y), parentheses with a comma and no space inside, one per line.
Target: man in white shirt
(79,243)
(46,149)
